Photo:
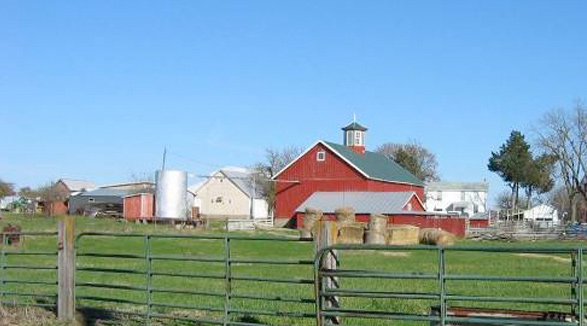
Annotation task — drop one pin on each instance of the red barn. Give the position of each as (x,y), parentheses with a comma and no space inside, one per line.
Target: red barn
(330,167)
(329,175)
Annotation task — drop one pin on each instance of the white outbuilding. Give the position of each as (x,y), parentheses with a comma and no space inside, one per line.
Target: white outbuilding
(542,215)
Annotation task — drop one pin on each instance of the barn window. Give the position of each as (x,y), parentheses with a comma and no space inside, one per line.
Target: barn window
(410,207)
(349,138)
(321,156)
(358,138)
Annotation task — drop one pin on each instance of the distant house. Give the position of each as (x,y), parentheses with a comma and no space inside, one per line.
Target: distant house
(230,193)
(542,215)
(466,198)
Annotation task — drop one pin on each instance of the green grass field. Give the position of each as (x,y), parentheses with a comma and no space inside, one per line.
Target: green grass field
(246,293)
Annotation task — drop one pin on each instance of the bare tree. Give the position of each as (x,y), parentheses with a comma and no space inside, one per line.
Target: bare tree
(414,158)
(504,201)
(263,172)
(563,134)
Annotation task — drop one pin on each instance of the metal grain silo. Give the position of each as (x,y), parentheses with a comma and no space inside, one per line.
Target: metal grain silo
(171,194)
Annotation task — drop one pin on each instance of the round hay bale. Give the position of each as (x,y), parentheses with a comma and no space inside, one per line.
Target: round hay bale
(378,222)
(345,214)
(436,237)
(375,237)
(377,229)
(311,218)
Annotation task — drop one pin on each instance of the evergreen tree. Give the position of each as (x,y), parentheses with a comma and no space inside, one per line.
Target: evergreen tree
(512,162)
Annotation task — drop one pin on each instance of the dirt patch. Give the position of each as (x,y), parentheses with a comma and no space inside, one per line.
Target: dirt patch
(543,256)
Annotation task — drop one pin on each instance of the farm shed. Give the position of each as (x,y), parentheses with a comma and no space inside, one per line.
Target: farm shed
(330,167)
(399,207)
(102,198)
(138,206)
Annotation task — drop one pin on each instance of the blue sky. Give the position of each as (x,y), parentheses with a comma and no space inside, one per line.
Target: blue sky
(96,89)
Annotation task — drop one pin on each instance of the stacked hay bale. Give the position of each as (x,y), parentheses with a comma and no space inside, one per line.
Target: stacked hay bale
(376,229)
(349,231)
(311,219)
(403,235)
(437,237)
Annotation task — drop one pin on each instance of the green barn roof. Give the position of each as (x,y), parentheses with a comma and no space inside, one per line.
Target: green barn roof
(375,165)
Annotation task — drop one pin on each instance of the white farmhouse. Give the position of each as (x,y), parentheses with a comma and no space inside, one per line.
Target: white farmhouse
(230,193)
(467,198)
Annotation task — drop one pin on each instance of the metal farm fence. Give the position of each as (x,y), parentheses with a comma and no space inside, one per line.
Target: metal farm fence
(339,293)
(176,277)
(28,269)
(255,281)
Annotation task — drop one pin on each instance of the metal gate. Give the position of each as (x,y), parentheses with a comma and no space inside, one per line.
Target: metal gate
(201,279)
(417,285)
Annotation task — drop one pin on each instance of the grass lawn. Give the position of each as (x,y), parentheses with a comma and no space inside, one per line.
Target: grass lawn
(251,300)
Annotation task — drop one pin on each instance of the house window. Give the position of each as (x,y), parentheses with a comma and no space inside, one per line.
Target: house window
(321,156)
(91,200)
(219,200)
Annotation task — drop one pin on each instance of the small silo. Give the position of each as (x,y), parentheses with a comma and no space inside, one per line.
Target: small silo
(171,195)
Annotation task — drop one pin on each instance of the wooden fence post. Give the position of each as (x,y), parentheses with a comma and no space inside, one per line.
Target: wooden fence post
(66,269)
(325,236)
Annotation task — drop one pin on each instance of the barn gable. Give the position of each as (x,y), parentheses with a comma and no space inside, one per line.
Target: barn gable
(371,165)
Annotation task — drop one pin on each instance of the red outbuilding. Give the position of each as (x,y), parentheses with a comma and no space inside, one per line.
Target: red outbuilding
(138,207)
(333,168)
